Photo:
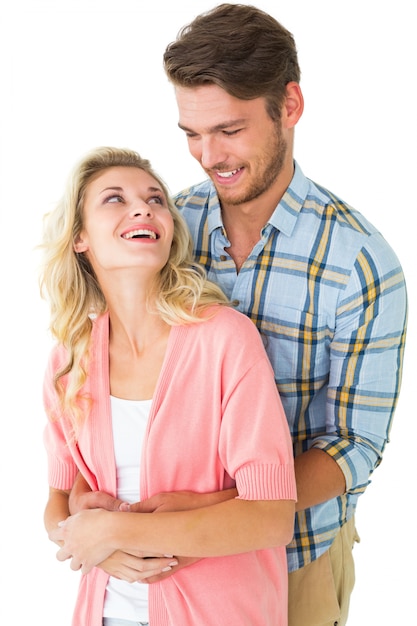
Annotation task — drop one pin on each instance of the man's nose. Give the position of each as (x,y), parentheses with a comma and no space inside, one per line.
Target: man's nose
(212,153)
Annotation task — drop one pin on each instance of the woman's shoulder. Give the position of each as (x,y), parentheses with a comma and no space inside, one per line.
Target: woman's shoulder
(99,330)
(228,320)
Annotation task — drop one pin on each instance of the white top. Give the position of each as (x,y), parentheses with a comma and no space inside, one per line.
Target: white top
(125,600)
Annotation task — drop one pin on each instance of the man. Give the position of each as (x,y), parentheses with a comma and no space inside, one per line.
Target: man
(313,274)
(321,284)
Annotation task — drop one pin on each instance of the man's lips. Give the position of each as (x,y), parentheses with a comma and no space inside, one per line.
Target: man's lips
(228,174)
(226,177)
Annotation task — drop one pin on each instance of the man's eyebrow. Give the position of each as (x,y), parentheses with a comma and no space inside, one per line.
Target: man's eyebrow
(217,127)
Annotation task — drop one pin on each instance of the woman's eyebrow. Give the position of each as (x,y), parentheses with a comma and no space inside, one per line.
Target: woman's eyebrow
(112,189)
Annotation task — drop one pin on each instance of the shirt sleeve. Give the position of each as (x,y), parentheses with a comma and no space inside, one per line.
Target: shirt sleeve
(366,364)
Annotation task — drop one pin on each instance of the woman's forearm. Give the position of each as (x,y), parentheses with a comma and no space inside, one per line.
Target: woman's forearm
(226,528)
(230,527)
(56,509)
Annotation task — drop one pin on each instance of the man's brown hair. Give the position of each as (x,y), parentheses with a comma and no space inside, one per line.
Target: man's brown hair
(240,48)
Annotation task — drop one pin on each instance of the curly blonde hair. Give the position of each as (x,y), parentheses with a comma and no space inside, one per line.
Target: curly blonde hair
(69,283)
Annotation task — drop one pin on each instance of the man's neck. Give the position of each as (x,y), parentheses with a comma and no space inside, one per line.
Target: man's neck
(253,215)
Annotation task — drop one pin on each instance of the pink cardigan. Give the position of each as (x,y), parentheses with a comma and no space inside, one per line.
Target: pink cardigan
(216,421)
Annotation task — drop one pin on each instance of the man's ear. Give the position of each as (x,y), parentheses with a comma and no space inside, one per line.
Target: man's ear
(80,245)
(293,106)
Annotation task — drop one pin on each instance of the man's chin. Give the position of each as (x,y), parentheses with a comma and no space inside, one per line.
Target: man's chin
(229,198)
(227,195)
(233,197)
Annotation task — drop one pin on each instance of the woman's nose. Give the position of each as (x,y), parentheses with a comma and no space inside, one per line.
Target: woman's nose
(140,208)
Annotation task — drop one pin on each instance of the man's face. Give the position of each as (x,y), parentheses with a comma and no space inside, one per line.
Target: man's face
(236,142)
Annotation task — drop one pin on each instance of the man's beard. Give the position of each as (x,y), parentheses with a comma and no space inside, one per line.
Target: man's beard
(270,166)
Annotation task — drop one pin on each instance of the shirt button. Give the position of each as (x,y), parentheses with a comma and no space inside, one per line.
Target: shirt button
(223,257)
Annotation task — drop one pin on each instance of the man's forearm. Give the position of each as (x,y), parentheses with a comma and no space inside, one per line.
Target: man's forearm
(319,478)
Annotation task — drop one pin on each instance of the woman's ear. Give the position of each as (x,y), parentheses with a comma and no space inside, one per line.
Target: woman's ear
(80,245)
(293,106)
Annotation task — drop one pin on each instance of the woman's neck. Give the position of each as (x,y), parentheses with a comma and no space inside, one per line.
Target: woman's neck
(134,321)
(137,346)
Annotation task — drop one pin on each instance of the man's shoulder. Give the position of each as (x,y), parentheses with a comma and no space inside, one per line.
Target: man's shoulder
(349,229)
(194,196)
(330,206)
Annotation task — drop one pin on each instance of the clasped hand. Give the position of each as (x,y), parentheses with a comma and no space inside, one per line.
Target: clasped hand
(81,540)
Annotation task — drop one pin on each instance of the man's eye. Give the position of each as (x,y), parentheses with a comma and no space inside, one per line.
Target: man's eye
(230,133)
(191,135)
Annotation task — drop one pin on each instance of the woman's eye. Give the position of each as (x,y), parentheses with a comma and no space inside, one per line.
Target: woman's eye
(114,198)
(156,200)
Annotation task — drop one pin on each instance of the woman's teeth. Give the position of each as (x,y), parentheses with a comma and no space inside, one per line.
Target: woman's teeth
(141,233)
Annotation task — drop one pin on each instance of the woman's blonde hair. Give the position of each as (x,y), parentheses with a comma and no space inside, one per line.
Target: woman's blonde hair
(68,281)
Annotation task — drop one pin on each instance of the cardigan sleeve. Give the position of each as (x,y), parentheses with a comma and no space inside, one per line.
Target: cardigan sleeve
(90,451)
(255,443)
(61,466)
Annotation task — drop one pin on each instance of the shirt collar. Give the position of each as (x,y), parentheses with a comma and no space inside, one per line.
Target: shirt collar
(286,213)
(214,218)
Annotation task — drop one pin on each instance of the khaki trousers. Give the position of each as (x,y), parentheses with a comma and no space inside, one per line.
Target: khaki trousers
(319,593)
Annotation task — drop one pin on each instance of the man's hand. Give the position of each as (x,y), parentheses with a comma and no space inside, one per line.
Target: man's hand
(81,498)
(181,501)
(151,570)
(178,501)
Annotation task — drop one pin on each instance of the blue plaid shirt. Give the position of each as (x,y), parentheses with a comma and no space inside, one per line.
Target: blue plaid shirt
(328,294)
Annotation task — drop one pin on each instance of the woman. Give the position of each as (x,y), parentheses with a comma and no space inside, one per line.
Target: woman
(157,385)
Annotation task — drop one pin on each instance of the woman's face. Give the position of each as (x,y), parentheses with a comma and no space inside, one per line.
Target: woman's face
(127,224)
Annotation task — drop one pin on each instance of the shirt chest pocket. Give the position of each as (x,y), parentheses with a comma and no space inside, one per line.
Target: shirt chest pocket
(298,345)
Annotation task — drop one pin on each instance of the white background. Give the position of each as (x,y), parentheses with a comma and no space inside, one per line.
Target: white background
(76,74)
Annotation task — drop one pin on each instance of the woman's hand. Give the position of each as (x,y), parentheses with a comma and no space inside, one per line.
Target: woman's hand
(122,565)
(86,539)
(138,567)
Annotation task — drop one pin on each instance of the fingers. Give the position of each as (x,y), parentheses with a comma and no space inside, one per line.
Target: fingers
(149,566)
(96,500)
(102,500)
(183,561)
(141,507)
(132,575)
(63,555)
(127,567)
(137,569)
